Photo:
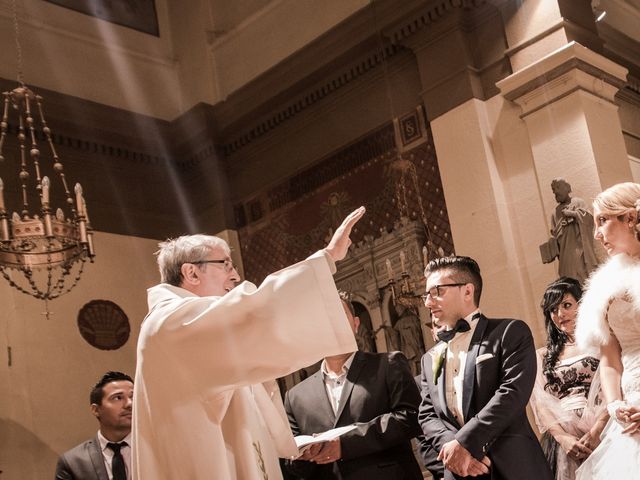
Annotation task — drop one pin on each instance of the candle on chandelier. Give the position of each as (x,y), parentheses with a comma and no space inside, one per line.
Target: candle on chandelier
(425,257)
(402,262)
(1,195)
(79,199)
(86,212)
(4,229)
(45,191)
(4,222)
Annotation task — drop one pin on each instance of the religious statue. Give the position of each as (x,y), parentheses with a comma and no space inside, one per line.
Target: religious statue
(365,338)
(571,235)
(391,336)
(410,336)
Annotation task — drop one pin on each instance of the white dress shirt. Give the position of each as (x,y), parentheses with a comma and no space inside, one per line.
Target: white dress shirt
(334,383)
(456,361)
(107,454)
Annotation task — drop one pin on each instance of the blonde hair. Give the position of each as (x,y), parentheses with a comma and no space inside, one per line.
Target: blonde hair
(618,200)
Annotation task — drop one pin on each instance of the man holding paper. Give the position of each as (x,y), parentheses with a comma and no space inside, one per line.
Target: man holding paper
(376,393)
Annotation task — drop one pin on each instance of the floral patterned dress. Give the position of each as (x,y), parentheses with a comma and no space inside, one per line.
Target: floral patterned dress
(568,401)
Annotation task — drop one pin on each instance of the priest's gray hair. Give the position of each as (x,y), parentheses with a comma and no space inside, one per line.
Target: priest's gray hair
(175,252)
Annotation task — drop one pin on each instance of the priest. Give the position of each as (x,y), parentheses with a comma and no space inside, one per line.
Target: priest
(206,404)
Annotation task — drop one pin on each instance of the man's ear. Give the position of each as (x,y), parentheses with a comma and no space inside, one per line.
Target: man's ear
(356,324)
(469,290)
(190,274)
(94,410)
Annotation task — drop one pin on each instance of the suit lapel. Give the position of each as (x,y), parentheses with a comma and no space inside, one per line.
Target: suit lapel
(352,376)
(470,365)
(442,381)
(97,459)
(319,391)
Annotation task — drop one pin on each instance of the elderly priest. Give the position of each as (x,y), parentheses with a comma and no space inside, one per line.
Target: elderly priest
(205,404)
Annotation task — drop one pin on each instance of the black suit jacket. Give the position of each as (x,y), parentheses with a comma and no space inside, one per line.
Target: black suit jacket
(84,462)
(381,398)
(427,451)
(494,399)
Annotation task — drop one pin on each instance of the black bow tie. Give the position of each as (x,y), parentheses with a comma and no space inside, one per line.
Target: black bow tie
(447,335)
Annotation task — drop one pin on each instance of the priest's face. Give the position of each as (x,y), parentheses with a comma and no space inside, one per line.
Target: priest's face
(450,301)
(216,275)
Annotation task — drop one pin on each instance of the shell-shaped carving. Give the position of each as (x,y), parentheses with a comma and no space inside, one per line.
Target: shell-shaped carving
(104,325)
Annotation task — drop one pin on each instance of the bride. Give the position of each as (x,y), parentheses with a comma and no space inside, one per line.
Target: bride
(609,317)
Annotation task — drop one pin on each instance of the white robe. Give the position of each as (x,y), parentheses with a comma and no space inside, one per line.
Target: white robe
(201,410)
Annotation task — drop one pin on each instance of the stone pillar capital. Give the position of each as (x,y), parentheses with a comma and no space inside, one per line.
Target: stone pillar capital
(564,71)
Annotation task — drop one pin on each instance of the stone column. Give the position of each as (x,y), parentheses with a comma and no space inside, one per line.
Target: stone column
(493,204)
(535,28)
(568,106)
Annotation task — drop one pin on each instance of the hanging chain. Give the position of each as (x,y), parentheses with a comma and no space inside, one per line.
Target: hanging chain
(385,61)
(16,29)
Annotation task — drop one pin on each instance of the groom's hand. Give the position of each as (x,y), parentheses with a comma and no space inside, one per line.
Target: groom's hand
(458,460)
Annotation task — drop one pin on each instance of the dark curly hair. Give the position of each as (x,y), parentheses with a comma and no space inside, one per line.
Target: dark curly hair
(556,339)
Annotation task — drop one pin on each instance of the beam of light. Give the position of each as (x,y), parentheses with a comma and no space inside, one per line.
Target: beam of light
(124,69)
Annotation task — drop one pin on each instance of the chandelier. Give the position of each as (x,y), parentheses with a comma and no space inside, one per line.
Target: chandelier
(43,247)
(409,131)
(406,291)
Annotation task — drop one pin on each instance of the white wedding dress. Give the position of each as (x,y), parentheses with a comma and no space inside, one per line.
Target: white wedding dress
(614,296)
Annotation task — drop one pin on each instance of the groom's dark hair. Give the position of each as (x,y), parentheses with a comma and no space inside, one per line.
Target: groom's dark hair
(463,270)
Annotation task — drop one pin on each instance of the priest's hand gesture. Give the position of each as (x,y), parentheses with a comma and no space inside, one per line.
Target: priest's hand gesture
(340,242)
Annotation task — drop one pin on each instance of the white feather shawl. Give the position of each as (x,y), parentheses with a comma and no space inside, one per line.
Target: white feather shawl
(620,275)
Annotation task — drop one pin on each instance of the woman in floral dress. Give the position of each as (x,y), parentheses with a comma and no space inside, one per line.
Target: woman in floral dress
(564,399)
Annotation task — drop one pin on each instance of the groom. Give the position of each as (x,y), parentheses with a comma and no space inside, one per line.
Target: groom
(477,381)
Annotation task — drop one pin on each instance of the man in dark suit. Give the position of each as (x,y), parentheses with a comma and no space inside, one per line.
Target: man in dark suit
(428,454)
(477,381)
(374,391)
(107,456)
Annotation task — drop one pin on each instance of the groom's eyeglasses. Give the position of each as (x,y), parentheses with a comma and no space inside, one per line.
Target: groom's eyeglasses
(436,290)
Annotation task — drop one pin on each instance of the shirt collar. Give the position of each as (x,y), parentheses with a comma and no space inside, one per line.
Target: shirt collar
(345,368)
(103,441)
(473,317)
